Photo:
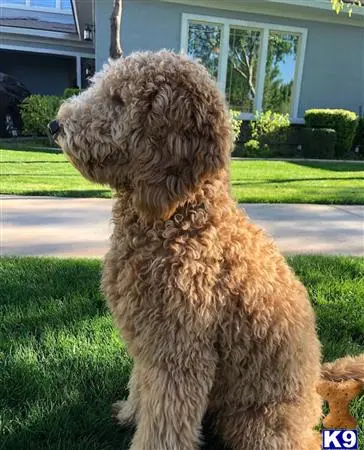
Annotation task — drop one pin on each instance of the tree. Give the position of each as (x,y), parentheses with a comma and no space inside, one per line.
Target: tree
(115,21)
(339,5)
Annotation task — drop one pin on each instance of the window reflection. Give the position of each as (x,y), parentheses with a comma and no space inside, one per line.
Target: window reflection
(204,43)
(241,78)
(280,72)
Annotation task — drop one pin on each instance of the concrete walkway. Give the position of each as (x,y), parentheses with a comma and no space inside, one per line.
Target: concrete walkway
(64,227)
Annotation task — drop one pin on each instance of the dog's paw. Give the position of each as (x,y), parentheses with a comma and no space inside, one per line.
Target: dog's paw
(123,413)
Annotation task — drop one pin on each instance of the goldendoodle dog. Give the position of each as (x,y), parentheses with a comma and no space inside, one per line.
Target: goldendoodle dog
(219,327)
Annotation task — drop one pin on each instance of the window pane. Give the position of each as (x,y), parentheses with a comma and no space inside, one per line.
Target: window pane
(204,43)
(15,2)
(242,69)
(280,72)
(65,4)
(43,3)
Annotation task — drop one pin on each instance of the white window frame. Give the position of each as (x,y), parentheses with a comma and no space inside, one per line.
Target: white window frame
(28,6)
(264,28)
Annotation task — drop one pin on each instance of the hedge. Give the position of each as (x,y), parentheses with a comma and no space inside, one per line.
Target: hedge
(359,137)
(236,124)
(342,121)
(300,142)
(38,110)
(270,126)
(318,143)
(70,92)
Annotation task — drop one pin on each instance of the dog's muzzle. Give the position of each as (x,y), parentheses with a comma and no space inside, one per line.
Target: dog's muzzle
(54,127)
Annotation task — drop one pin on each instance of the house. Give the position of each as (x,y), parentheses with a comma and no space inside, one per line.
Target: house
(42,43)
(284,55)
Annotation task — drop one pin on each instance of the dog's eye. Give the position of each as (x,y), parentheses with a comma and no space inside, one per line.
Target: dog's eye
(117,100)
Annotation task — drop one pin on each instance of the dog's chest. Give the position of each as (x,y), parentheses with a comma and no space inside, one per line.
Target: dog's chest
(152,276)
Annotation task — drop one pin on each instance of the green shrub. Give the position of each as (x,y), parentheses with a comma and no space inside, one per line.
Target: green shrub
(238,151)
(235,123)
(291,147)
(285,150)
(70,92)
(359,137)
(254,149)
(36,111)
(251,147)
(342,121)
(318,143)
(268,135)
(270,125)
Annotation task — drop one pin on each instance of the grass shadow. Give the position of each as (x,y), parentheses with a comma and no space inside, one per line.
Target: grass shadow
(58,295)
(25,279)
(26,148)
(80,418)
(44,175)
(241,182)
(333,166)
(84,193)
(35,162)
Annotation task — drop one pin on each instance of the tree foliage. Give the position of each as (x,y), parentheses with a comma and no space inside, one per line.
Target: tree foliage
(340,5)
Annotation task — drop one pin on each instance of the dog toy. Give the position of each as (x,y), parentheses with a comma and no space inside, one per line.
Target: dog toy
(339,394)
(341,382)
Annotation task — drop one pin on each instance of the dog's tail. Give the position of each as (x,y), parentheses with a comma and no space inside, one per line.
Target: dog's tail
(348,368)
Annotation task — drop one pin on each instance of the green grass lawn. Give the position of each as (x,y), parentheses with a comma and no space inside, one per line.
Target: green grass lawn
(62,364)
(49,173)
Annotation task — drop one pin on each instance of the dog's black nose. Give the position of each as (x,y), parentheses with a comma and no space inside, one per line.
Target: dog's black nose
(54,127)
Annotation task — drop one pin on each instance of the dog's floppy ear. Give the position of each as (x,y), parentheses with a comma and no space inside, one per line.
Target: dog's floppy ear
(184,142)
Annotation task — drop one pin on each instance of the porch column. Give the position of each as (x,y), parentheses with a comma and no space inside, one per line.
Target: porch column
(78,71)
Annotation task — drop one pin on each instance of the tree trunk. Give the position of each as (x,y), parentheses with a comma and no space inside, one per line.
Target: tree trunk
(115,20)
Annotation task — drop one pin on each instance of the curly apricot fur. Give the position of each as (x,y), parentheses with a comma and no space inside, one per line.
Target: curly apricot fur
(217,324)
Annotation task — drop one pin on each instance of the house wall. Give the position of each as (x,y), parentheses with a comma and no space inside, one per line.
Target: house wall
(40,47)
(41,73)
(333,74)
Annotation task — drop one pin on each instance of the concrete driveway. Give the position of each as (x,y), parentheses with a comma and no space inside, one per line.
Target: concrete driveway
(46,226)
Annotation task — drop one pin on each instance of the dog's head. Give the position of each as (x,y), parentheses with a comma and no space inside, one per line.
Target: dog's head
(155,123)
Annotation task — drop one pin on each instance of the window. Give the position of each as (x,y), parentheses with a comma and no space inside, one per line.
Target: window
(40,5)
(280,71)
(66,4)
(204,42)
(258,66)
(43,3)
(15,2)
(12,2)
(242,68)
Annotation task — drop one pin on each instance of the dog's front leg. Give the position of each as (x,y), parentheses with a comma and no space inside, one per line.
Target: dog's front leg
(126,412)
(173,400)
